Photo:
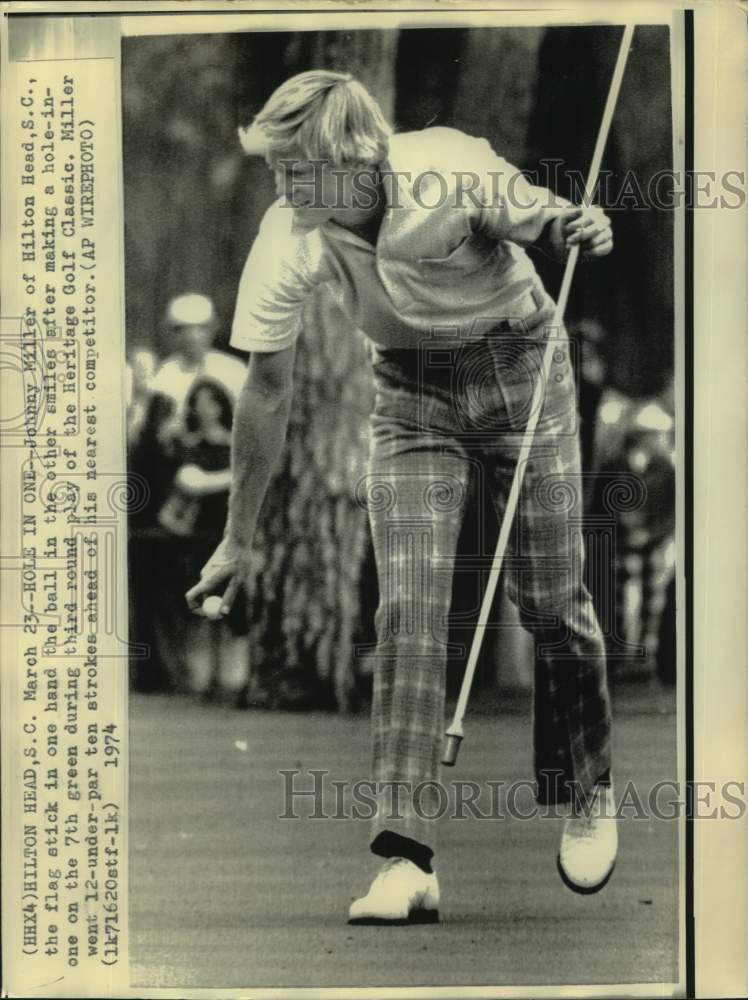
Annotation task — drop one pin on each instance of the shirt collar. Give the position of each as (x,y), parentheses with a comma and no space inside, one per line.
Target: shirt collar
(397,183)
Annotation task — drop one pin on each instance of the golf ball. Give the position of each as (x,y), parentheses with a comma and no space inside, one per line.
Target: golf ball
(212,607)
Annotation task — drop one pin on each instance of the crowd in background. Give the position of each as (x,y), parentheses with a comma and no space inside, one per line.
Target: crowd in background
(628,458)
(180,411)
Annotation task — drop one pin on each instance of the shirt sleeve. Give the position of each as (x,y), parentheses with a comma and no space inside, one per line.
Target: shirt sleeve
(278,277)
(505,205)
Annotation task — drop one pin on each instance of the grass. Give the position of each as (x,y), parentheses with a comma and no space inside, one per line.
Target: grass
(225,894)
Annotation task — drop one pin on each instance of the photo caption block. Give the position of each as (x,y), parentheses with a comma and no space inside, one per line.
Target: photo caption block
(65,498)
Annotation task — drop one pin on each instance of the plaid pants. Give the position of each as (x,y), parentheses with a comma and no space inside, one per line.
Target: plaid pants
(445,412)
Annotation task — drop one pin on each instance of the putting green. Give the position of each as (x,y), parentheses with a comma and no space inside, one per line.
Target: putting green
(225,894)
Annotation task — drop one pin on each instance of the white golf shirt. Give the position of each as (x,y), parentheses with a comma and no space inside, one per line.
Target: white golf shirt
(449,251)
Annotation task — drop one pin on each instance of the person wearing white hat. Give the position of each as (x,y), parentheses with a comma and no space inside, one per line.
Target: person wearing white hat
(192,318)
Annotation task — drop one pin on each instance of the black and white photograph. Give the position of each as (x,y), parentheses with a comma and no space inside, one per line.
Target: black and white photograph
(377,447)
(373,487)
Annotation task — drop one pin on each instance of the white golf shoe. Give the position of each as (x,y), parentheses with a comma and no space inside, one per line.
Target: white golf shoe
(589,844)
(401,893)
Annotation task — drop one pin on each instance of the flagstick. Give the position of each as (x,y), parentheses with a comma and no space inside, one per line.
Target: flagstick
(455,733)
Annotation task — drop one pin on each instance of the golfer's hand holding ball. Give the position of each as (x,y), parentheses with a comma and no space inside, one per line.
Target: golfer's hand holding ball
(212,607)
(588,226)
(220,580)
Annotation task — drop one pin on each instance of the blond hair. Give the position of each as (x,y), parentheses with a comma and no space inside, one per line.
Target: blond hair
(321,115)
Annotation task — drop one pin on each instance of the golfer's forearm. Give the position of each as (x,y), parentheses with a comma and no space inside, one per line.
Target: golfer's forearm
(554,207)
(259,432)
(524,217)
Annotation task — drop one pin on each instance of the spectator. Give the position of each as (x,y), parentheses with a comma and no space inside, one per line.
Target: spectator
(161,542)
(192,321)
(634,442)
(156,662)
(195,510)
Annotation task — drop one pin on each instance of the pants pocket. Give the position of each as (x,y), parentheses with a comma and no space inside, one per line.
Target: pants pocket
(518,361)
(517,364)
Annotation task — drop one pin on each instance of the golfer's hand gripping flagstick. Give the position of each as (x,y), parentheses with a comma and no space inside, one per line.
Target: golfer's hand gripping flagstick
(455,734)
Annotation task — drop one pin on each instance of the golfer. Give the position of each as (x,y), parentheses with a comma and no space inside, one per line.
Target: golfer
(421,237)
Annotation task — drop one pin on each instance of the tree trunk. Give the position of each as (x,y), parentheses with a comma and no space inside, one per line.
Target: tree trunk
(496,89)
(312,534)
